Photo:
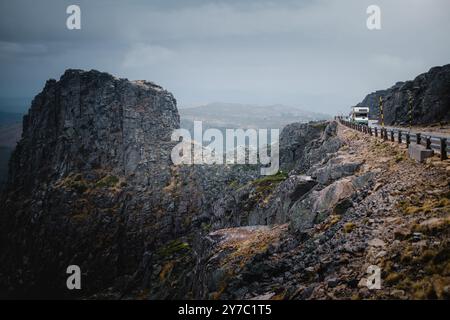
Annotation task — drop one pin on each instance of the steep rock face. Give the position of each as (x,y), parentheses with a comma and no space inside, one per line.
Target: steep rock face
(287,214)
(273,199)
(430,94)
(347,223)
(85,182)
(293,139)
(91,183)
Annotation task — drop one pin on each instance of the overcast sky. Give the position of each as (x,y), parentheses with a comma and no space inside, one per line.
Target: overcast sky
(317,54)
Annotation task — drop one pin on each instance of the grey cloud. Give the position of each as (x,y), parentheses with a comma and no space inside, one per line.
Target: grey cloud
(318,54)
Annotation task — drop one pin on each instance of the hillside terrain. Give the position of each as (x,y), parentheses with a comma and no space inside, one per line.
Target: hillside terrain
(371,206)
(91,183)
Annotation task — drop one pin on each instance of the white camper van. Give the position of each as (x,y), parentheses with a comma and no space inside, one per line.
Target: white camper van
(360,115)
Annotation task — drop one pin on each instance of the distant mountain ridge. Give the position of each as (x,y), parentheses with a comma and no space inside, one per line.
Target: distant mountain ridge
(233,115)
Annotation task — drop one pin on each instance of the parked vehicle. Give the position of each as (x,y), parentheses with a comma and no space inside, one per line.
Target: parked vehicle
(360,115)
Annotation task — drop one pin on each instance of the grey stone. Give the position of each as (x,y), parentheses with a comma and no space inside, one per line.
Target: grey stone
(419,152)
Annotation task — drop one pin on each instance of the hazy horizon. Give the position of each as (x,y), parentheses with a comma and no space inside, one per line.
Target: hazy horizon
(315,54)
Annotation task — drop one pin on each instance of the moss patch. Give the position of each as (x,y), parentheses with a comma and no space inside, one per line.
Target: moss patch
(349,227)
(173,247)
(108,181)
(268,183)
(76,182)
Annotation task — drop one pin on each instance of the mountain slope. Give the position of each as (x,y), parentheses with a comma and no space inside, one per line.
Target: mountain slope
(366,207)
(430,97)
(91,183)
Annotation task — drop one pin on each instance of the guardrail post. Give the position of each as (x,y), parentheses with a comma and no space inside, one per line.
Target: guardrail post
(418,138)
(376,132)
(400,136)
(385,136)
(392,136)
(443,149)
(407,140)
(428,141)
(370,131)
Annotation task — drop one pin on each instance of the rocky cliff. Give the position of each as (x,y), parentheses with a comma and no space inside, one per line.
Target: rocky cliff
(93,150)
(362,205)
(430,97)
(91,183)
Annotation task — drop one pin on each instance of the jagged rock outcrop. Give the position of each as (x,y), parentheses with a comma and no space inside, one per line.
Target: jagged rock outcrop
(293,140)
(364,215)
(283,212)
(91,183)
(430,93)
(276,199)
(86,182)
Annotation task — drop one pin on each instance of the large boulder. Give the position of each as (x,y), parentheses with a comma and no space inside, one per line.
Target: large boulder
(335,169)
(322,202)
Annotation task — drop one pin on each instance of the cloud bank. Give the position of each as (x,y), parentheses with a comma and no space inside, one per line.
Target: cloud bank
(316,54)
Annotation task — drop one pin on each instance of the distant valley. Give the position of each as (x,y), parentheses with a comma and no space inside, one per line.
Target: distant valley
(233,115)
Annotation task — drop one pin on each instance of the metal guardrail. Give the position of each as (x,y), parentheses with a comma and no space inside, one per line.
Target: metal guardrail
(439,144)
